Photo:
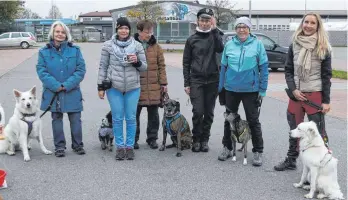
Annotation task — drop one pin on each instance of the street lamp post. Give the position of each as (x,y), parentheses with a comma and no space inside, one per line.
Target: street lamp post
(249,9)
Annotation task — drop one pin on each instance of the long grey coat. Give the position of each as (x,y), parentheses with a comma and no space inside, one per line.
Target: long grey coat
(124,76)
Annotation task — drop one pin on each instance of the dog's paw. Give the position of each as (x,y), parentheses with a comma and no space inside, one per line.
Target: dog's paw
(178,154)
(245,162)
(297,185)
(308,196)
(306,187)
(321,196)
(162,148)
(10,153)
(26,158)
(234,159)
(103,146)
(110,148)
(241,149)
(47,152)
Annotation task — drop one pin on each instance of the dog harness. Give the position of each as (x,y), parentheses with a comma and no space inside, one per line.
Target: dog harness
(236,136)
(327,157)
(170,121)
(30,124)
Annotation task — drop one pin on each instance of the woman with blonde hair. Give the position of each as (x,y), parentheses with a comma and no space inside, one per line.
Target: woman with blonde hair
(307,72)
(61,68)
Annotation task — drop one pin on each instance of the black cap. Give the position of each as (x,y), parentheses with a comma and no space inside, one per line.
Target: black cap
(122,21)
(205,13)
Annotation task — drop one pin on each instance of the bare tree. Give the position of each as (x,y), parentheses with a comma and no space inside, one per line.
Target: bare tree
(224,11)
(146,10)
(54,13)
(26,13)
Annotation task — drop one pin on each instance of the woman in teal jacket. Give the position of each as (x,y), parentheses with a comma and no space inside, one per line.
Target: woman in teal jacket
(244,77)
(61,68)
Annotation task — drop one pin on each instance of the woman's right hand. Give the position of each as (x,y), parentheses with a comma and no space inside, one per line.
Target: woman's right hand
(101,94)
(299,95)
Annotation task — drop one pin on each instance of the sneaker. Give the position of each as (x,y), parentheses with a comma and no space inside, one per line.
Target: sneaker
(153,144)
(136,145)
(196,147)
(120,154)
(79,151)
(59,153)
(257,161)
(225,154)
(288,163)
(204,147)
(130,154)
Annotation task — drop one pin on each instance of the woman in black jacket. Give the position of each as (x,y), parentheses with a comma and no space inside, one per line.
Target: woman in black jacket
(307,73)
(201,76)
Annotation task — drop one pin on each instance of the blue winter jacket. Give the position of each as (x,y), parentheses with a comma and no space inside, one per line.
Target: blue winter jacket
(244,66)
(65,67)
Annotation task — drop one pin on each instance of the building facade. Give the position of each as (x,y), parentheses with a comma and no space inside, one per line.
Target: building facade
(181,19)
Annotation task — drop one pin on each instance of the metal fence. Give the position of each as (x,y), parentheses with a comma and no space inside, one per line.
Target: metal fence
(283,38)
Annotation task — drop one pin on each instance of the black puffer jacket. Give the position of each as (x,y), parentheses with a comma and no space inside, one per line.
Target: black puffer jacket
(200,63)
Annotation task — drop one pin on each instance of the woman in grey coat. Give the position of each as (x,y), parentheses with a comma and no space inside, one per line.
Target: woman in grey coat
(122,59)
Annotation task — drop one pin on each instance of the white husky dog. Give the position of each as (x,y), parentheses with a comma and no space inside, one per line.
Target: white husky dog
(319,166)
(23,126)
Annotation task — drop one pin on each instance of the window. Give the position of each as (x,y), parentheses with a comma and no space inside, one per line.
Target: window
(266,42)
(25,35)
(4,36)
(15,35)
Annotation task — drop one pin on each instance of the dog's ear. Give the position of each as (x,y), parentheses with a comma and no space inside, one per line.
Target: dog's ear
(33,90)
(177,105)
(17,93)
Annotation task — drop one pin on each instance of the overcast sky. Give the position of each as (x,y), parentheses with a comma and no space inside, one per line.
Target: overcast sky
(71,8)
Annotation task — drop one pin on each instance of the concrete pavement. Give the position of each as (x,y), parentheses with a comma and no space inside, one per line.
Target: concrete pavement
(153,174)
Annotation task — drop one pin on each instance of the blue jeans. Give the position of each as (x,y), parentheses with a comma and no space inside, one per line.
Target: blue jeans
(123,105)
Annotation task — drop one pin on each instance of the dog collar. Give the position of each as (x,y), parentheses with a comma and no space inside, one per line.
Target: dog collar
(28,115)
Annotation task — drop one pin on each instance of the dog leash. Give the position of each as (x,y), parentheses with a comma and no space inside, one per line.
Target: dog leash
(50,105)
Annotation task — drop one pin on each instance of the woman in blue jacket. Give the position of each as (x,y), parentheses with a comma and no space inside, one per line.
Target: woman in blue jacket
(244,76)
(61,68)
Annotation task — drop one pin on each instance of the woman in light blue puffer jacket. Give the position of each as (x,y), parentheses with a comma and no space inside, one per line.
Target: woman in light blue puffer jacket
(122,58)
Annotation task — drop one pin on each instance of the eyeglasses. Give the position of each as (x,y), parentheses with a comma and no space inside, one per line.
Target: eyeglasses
(149,33)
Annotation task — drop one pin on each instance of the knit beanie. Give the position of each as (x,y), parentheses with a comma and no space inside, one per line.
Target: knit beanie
(122,21)
(243,20)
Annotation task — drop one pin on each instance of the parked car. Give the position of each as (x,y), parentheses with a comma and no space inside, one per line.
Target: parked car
(276,54)
(17,39)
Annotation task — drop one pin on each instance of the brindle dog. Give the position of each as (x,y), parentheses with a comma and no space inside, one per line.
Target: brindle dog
(240,132)
(176,125)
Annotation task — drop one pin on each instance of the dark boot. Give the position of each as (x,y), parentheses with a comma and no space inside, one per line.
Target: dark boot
(79,151)
(204,146)
(130,154)
(153,144)
(120,154)
(59,153)
(288,163)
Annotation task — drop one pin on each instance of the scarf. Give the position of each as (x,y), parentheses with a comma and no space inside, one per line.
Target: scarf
(308,44)
(202,31)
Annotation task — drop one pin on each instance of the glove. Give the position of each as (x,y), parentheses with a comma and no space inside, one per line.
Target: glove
(262,94)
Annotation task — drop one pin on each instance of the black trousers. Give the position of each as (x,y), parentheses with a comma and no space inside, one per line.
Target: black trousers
(203,99)
(152,123)
(250,104)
